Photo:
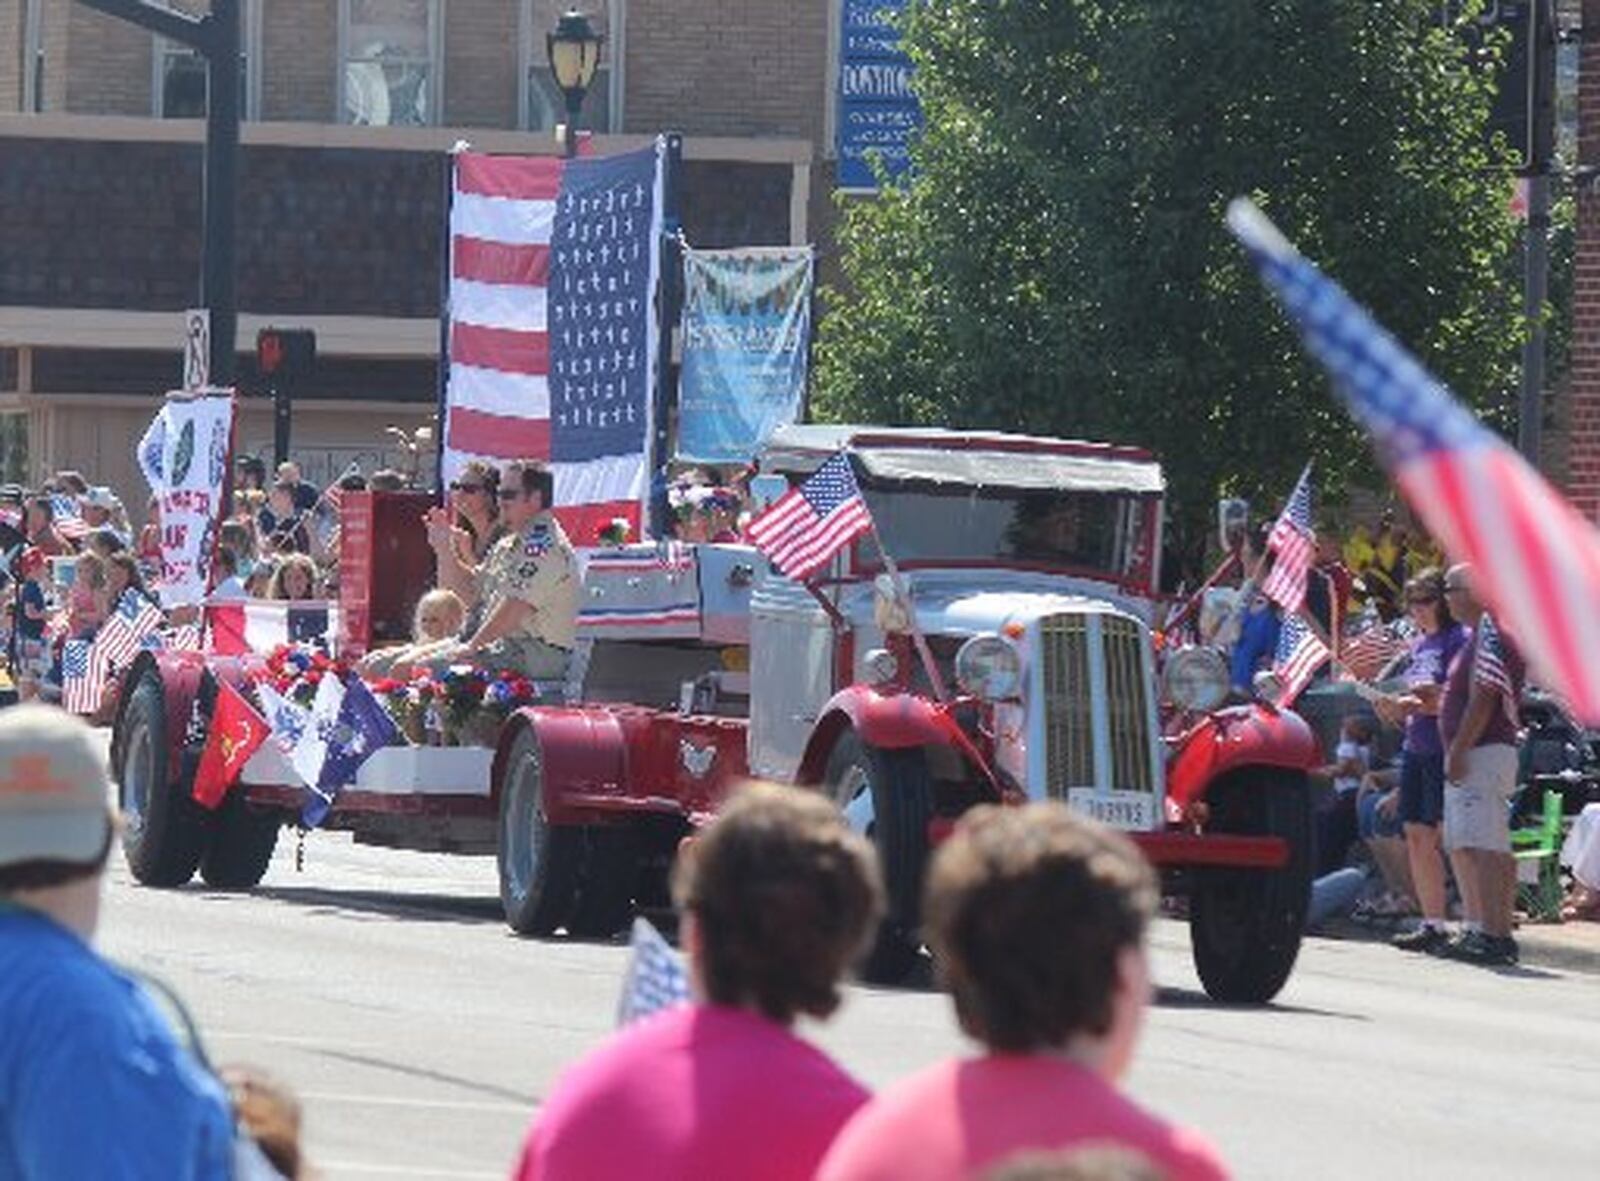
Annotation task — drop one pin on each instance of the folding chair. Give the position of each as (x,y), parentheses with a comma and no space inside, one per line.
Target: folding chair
(1537,849)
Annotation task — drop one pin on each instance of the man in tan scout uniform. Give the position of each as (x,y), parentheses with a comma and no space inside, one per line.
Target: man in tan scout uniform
(528,588)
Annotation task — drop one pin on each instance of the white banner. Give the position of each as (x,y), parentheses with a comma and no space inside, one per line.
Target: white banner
(184,456)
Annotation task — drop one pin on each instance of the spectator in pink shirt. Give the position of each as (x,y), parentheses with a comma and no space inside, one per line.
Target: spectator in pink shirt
(778,899)
(1037,922)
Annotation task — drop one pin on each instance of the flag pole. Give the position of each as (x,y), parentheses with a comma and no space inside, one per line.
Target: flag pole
(905,600)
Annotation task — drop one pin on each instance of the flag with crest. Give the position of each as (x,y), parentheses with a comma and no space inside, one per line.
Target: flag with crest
(656,978)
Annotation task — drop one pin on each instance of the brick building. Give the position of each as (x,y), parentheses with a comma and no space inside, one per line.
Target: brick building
(350,107)
(1582,410)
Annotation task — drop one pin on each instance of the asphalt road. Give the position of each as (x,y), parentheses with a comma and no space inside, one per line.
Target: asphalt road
(421,1034)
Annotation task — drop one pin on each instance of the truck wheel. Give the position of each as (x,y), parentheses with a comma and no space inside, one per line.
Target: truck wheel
(539,862)
(242,845)
(610,871)
(165,831)
(886,794)
(1245,924)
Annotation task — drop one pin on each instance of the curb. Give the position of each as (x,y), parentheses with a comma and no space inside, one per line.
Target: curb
(1540,945)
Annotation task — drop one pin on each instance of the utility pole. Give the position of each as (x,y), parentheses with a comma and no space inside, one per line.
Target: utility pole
(215,37)
(1536,243)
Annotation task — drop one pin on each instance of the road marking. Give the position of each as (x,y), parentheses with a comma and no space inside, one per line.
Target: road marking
(309,1097)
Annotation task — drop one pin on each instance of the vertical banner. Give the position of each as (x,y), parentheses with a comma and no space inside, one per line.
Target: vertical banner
(184,455)
(878,111)
(746,336)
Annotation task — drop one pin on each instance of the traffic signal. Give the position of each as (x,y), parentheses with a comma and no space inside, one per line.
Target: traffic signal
(1523,110)
(285,354)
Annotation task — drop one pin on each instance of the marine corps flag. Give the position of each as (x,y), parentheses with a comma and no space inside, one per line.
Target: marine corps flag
(236,731)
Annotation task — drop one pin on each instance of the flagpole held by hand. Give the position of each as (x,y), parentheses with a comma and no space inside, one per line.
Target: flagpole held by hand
(903,597)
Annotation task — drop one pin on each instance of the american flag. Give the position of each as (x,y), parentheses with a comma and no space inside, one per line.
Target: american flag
(1300,653)
(555,268)
(83,677)
(1536,559)
(1294,548)
(123,633)
(68,518)
(1366,654)
(807,525)
(655,978)
(1489,666)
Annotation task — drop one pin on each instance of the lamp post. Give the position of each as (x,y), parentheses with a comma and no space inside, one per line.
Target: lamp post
(574,49)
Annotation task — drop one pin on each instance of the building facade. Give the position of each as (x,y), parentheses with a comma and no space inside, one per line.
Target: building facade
(351,108)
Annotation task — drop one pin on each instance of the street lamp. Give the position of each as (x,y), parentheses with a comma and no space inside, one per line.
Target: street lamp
(574,49)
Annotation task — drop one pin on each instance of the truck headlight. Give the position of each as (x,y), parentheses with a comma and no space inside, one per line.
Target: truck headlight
(1196,678)
(989,667)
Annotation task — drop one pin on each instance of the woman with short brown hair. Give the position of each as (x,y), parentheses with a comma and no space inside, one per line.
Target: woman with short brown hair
(778,898)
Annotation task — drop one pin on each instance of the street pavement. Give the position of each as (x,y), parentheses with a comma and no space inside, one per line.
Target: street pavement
(421,1034)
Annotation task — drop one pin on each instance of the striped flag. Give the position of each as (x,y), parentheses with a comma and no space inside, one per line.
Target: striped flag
(68,518)
(1300,653)
(1536,560)
(1294,549)
(260,625)
(807,525)
(555,267)
(1365,655)
(1489,667)
(125,630)
(83,677)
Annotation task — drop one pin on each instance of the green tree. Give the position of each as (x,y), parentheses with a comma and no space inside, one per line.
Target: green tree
(1059,263)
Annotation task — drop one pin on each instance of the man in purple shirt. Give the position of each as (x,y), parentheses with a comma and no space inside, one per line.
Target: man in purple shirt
(1478,723)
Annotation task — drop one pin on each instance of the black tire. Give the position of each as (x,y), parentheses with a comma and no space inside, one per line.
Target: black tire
(241,846)
(900,789)
(1245,924)
(540,863)
(610,871)
(165,832)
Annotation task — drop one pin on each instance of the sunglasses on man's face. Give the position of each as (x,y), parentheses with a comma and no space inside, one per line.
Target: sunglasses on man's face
(458,487)
(1422,600)
(509,493)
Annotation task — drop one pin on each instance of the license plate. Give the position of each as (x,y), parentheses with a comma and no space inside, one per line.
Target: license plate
(1131,810)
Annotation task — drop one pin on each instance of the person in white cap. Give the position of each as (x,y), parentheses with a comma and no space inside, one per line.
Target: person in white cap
(93,1082)
(102,510)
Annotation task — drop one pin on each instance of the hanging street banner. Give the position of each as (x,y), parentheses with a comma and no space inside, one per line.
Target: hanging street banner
(878,111)
(184,456)
(746,336)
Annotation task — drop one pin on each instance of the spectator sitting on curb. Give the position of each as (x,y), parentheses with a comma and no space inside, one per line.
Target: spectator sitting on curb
(1378,824)
(1058,1018)
(778,898)
(92,1081)
(1581,854)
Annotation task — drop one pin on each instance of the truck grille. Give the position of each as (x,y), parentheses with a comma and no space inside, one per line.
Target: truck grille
(1069,703)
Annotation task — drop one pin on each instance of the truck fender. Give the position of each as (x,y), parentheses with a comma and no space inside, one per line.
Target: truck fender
(583,752)
(1247,735)
(182,675)
(892,721)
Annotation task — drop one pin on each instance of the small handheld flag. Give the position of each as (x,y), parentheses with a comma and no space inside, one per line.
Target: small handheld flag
(1536,559)
(656,978)
(1294,548)
(1489,667)
(808,525)
(1300,653)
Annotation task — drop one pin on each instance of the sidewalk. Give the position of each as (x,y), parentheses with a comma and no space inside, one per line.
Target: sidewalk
(1566,947)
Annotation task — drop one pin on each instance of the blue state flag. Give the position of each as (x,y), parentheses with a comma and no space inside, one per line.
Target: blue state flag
(347,724)
(656,978)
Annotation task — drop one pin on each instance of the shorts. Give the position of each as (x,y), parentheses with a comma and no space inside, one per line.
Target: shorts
(1421,787)
(1372,823)
(1477,811)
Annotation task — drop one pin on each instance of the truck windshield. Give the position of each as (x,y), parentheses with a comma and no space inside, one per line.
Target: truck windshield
(1085,532)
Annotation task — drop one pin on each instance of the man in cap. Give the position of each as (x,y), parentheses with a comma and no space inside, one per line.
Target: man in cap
(92,1081)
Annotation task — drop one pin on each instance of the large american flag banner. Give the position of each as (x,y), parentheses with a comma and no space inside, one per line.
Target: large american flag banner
(1293,547)
(1536,559)
(807,525)
(555,272)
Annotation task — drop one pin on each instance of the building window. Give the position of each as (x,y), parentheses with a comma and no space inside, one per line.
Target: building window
(542,105)
(179,86)
(390,62)
(33,57)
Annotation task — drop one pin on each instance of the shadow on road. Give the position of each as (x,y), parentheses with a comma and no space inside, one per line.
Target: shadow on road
(436,908)
(1172,997)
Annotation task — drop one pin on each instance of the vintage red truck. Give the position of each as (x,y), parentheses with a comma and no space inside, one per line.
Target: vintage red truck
(1032,563)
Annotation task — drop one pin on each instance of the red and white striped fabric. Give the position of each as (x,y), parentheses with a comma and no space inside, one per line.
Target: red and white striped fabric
(498,403)
(251,625)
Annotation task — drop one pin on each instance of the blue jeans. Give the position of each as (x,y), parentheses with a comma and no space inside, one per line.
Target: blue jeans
(1334,895)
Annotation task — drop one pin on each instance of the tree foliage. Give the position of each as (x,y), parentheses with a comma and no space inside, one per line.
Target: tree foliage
(1059,262)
